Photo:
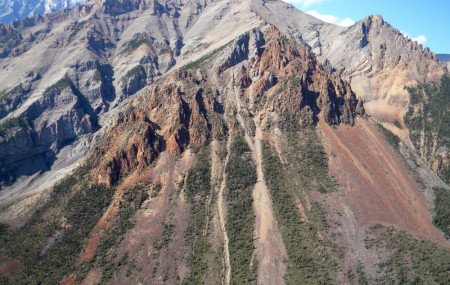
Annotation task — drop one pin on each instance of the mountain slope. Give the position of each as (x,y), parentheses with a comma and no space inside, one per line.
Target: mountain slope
(219,149)
(428,121)
(243,117)
(114,50)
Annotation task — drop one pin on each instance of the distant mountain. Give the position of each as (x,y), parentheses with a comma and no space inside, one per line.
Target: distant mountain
(13,10)
(443,57)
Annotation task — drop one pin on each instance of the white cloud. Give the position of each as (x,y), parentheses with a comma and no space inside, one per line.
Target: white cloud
(305,3)
(347,22)
(325,18)
(420,39)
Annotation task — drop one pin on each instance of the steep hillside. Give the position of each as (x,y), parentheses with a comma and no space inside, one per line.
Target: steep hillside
(206,142)
(428,119)
(217,173)
(103,53)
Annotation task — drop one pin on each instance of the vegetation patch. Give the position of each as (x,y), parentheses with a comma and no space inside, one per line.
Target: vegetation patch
(197,188)
(240,181)
(76,29)
(61,84)
(312,256)
(441,217)
(390,137)
(131,73)
(134,43)
(11,96)
(12,123)
(410,260)
(428,119)
(50,242)
(18,89)
(165,238)
(97,75)
(106,249)
(196,63)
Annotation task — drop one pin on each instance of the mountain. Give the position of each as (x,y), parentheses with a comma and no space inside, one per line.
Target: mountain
(13,10)
(104,62)
(217,142)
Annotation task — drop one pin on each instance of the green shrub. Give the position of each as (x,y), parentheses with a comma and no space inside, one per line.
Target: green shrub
(77,28)
(80,204)
(390,137)
(134,43)
(97,76)
(60,85)
(106,250)
(132,72)
(409,260)
(196,63)
(197,188)
(428,119)
(3,229)
(240,181)
(441,217)
(11,124)
(311,260)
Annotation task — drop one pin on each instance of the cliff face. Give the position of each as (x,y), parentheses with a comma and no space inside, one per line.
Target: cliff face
(274,75)
(380,61)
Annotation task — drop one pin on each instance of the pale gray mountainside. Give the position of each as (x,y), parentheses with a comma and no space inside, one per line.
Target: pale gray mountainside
(65,74)
(14,10)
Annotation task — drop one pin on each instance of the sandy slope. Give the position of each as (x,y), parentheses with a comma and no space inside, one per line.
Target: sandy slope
(377,187)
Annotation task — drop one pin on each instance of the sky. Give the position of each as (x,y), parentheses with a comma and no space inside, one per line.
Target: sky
(426,21)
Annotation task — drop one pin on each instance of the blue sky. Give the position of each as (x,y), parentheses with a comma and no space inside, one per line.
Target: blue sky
(426,21)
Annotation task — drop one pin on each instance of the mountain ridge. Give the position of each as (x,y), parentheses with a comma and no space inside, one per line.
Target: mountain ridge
(221,146)
(96,42)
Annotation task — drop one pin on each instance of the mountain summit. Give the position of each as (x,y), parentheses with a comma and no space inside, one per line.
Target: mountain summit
(205,142)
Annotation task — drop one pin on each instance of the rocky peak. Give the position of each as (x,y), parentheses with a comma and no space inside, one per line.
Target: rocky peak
(183,109)
(287,78)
